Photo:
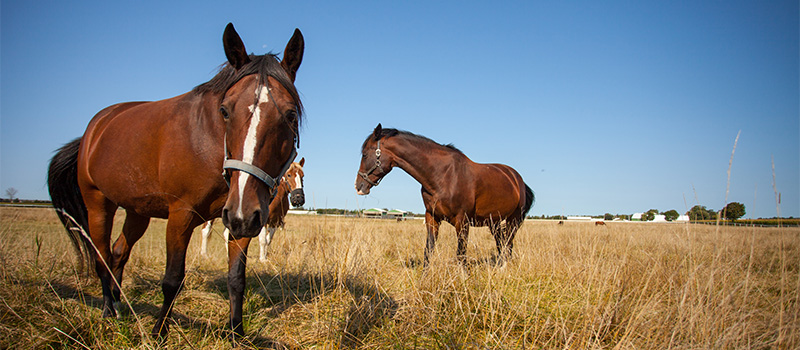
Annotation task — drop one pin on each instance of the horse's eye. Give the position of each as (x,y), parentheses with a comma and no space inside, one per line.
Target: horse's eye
(224,112)
(291,116)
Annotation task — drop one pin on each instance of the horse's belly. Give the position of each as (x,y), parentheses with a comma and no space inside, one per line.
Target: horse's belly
(145,203)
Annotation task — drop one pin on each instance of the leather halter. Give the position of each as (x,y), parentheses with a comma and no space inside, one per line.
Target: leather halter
(271,182)
(235,164)
(365,175)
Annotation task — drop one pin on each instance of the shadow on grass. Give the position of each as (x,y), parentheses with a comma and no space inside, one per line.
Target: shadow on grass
(469,263)
(368,306)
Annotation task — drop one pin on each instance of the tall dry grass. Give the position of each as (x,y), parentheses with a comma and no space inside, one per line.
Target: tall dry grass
(337,282)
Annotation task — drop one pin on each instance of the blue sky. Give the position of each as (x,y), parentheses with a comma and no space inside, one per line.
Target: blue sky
(611,106)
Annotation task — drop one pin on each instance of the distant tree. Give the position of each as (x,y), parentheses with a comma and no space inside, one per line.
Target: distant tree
(649,215)
(608,217)
(733,211)
(700,212)
(11,193)
(671,215)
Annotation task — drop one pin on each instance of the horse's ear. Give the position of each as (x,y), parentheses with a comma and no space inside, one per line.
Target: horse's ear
(302,161)
(293,54)
(234,47)
(377,132)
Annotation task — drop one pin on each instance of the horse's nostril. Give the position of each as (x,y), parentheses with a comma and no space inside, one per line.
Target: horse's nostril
(255,220)
(225,220)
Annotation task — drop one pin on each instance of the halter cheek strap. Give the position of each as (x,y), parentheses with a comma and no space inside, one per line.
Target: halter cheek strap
(377,165)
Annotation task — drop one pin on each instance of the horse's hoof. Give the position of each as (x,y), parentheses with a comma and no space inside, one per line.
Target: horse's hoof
(160,330)
(109,311)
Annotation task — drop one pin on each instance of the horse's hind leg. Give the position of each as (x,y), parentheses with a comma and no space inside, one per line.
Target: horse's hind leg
(504,239)
(101,212)
(132,230)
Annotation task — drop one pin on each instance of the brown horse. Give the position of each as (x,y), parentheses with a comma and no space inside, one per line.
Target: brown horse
(454,188)
(164,159)
(289,189)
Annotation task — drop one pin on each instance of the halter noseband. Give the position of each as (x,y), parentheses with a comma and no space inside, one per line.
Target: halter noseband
(235,164)
(377,165)
(271,182)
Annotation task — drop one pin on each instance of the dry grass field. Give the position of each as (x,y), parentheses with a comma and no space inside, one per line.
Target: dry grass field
(335,282)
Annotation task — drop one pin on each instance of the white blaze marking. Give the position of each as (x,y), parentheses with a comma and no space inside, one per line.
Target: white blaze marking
(297,183)
(250,141)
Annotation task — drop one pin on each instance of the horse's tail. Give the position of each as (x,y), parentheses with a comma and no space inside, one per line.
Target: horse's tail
(529,199)
(62,182)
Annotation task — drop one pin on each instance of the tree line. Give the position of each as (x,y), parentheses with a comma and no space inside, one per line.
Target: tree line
(733,211)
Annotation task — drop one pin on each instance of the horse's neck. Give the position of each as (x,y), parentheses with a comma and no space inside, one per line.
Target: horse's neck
(283,190)
(426,163)
(207,106)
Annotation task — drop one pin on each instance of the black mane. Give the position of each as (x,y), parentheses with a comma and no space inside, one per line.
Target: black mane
(412,137)
(264,65)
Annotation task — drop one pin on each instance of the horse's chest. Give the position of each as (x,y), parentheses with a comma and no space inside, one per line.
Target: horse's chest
(449,206)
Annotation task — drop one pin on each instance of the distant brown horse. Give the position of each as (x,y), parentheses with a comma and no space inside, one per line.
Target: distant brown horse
(454,188)
(599,223)
(165,158)
(289,189)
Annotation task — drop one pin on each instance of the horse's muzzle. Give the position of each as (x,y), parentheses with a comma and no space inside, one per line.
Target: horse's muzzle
(362,187)
(244,227)
(297,197)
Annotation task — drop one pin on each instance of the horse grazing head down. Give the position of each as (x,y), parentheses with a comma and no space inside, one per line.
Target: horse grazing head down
(262,111)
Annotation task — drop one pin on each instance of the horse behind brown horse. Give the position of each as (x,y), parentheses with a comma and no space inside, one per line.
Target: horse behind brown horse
(290,189)
(454,188)
(164,159)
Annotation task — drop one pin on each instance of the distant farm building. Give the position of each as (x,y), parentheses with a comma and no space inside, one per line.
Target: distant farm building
(579,218)
(396,214)
(636,216)
(377,213)
(374,213)
(301,212)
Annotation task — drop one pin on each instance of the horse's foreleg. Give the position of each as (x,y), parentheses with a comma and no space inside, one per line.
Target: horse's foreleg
(180,225)
(237,263)
(264,240)
(132,230)
(433,233)
(462,232)
(100,218)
